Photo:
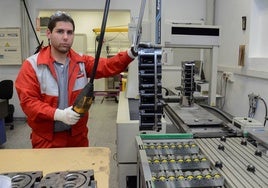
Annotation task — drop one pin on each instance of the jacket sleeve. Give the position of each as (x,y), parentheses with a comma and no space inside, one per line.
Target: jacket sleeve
(109,66)
(31,99)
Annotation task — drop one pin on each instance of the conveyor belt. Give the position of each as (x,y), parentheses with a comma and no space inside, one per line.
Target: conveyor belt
(236,159)
(174,163)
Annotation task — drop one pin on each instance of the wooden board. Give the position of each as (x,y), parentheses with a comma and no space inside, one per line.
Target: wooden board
(58,159)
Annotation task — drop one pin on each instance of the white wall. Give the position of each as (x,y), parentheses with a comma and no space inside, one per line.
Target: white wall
(253,76)
(10,15)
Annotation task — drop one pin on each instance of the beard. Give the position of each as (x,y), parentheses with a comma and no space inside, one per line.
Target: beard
(63,48)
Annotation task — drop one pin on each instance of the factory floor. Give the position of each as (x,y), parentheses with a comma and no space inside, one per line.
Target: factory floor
(102,132)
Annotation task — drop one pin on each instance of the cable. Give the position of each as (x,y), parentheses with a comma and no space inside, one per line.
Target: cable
(253,103)
(223,92)
(265,105)
(39,44)
(224,96)
(166,91)
(227,116)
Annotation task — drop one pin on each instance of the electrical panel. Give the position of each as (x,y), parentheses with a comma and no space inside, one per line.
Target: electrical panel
(10,46)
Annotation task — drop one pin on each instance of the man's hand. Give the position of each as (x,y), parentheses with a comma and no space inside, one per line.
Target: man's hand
(67,116)
(132,53)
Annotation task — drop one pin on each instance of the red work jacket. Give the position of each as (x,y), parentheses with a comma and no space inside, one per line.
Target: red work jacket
(37,87)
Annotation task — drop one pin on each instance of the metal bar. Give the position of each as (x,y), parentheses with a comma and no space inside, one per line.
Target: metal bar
(241,158)
(235,158)
(209,149)
(213,79)
(102,32)
(155,90)
(137,36)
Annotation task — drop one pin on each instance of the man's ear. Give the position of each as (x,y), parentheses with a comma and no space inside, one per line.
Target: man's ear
(48,33)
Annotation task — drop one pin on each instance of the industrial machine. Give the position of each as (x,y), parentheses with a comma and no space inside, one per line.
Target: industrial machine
(183,141)
(216,149)
(195,36)
(231,148)
(199,119)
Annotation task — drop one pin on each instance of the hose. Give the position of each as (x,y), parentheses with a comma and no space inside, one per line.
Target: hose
(101,37)
(37,39)
(265,105)
(218,111)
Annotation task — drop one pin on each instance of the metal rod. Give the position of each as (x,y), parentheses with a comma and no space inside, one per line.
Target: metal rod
(138,33)
(103,26)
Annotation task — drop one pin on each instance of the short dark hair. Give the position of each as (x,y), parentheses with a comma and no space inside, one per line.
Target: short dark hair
(57,17)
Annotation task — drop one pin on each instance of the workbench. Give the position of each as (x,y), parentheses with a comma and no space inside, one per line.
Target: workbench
(59,159)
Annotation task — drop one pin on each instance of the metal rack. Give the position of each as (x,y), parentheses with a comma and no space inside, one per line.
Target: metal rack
(150,88)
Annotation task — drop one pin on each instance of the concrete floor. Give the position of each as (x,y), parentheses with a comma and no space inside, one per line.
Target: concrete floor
(102,132)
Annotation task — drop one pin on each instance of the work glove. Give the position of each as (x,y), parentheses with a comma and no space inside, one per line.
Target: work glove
(132,53)
(67,116)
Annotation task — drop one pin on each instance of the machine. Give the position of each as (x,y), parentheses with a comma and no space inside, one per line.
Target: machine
(191,116)
(183,141)
(209,149)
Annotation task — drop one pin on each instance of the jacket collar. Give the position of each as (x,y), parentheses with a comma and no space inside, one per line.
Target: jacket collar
(45,57)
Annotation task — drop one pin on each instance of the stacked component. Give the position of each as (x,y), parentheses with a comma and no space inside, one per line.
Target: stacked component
(25,179)
(69,179)
(187,83)
(150,108)
(174,163)
(83,179)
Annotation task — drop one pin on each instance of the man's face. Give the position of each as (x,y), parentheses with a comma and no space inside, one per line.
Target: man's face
(61,38)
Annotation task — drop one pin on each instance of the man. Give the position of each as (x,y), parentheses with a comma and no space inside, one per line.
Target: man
(49,82)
